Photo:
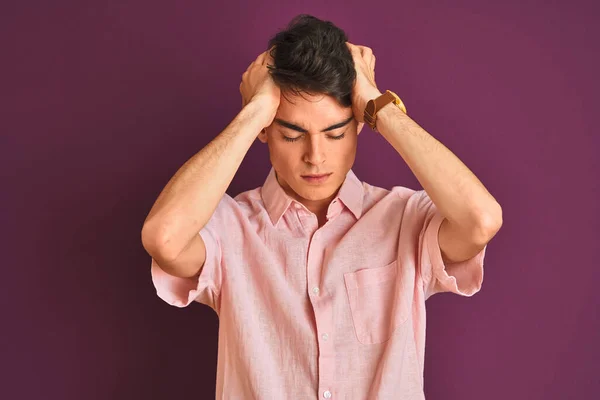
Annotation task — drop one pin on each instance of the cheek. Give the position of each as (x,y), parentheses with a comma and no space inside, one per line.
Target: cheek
(347,147)
(283,155)
(279,149)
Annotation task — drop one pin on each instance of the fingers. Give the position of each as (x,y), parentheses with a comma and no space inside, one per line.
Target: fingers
(373,65)
(269,57)
(369,57)
(260,59)
(264,57)
(353,48)
(364,52)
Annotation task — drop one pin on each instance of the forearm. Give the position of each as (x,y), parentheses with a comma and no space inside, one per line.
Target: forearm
(453,188)
(191,196)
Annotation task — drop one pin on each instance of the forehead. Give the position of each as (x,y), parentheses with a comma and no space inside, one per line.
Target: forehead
(311,111)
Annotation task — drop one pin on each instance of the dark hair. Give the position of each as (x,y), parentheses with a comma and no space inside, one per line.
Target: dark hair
(311,56)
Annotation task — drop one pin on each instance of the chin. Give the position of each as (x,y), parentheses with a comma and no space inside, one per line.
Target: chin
(315,194)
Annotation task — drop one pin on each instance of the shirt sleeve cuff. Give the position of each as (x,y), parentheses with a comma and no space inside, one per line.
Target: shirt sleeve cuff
(464,278)
(181,292)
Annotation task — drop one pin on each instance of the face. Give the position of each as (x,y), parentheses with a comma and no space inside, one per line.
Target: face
(312,135)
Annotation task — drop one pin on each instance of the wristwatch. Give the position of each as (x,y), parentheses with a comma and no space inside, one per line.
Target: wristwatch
(374,105)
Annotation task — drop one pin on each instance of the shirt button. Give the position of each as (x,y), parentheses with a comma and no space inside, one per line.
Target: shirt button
(316,290)
(327,394)
(325,336)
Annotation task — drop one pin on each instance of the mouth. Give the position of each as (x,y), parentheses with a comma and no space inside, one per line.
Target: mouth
(320,178)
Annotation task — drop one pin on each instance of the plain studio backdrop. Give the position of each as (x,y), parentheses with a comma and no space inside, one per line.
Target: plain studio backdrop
(101,102)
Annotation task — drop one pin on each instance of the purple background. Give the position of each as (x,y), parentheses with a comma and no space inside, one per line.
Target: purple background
(101,104)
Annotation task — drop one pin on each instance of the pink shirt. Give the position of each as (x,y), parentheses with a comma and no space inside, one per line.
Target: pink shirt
(336,312)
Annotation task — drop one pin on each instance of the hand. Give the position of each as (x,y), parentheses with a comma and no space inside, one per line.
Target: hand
(258,86)
(365,88)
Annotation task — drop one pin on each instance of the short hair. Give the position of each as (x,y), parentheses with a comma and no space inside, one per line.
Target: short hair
(311,56)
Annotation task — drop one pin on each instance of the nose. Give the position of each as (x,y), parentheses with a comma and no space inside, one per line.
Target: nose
(315,152)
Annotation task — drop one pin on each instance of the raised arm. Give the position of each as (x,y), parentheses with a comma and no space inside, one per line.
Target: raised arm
(191,196)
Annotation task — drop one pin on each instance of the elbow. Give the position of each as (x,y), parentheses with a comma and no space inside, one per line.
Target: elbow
(155,242)
(490,224)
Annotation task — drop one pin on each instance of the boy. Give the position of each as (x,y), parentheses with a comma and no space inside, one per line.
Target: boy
(319,280)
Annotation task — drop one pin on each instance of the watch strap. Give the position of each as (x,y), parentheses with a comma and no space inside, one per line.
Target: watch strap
(374,105)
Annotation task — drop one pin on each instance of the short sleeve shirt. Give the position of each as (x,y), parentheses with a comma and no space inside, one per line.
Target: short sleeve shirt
(309,312)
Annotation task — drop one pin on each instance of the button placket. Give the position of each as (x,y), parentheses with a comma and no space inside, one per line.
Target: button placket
(322,312)
(316,290)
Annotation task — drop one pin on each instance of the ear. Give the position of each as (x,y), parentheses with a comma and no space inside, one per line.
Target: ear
(262,136)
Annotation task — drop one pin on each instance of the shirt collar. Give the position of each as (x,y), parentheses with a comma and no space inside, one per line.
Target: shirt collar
(277,201)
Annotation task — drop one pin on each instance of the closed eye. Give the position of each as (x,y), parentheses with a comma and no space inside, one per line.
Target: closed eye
(289,139)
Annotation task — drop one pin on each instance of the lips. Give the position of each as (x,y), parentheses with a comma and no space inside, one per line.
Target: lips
(316,179)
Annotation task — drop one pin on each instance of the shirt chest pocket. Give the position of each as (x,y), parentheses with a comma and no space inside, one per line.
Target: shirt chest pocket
(377,302)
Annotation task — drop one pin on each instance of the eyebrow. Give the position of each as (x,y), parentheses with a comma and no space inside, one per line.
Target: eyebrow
(299,129)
